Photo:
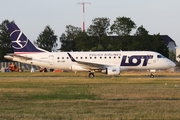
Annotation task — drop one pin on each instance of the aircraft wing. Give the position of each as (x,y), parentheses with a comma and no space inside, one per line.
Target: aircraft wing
(89,64)
(92,65)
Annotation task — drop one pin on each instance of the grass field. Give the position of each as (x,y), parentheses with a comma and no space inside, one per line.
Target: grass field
(54,96)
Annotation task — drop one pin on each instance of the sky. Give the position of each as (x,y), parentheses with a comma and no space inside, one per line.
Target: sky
(32,16)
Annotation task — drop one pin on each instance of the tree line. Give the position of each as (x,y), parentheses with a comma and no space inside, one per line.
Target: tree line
(100,36)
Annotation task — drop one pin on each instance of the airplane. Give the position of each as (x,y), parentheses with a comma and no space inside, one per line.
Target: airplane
(108,62)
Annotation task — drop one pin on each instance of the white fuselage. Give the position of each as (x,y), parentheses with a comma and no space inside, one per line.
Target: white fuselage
(124,59)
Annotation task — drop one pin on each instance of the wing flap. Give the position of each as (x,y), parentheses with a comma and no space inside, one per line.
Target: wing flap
(92,65)
(88,65)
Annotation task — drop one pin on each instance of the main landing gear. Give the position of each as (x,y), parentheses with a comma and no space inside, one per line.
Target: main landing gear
(91,75)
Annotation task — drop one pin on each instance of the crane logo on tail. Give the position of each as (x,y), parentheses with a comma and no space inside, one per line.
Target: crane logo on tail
(19,40)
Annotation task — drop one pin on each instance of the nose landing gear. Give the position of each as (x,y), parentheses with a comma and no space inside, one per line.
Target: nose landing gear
(91,75)
(151,75)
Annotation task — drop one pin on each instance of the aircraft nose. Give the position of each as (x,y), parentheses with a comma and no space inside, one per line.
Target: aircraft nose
(172,64)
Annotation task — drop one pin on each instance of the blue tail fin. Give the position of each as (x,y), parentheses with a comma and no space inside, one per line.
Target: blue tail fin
(20,43)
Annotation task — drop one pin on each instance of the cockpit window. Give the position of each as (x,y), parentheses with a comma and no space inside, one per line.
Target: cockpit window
(160,56)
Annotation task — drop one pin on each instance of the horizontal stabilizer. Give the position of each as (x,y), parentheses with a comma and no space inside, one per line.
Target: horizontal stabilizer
(11,56)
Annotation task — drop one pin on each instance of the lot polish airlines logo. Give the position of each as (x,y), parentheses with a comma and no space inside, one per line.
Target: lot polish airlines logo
(19,40)
(136,60)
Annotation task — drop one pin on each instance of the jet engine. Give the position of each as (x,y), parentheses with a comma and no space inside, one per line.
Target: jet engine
(113,70)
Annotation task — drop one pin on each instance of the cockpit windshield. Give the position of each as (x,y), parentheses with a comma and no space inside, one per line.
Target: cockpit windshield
(160,56)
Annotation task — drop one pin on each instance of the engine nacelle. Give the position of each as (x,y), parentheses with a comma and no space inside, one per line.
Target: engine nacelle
(113,70)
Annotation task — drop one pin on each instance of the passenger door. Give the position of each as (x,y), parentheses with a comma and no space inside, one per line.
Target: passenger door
(51,59)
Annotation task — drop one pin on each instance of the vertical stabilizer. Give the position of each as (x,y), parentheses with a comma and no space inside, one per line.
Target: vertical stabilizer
(20,43)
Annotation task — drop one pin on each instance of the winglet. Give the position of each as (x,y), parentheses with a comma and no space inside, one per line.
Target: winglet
(20,43)
(72,59)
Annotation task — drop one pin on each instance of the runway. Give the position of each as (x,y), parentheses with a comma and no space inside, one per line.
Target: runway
(156,77)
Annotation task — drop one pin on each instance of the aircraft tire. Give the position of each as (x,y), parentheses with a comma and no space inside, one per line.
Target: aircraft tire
(151,76)
(91,75)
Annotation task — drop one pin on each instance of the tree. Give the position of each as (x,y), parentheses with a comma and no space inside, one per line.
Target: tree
(84,42)
(67,39)
(5,42)
(98,48)
(172,56)
(99,27)
(141,40)
(122,26)
(47,39)
(141,31)
(158,45)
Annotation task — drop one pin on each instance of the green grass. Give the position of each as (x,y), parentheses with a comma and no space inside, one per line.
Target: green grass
(29,96)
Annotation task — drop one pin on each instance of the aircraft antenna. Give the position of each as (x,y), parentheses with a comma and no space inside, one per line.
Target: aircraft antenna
(83,13)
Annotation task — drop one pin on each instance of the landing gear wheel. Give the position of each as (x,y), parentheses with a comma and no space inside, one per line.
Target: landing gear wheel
(151,76)
(91,75)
